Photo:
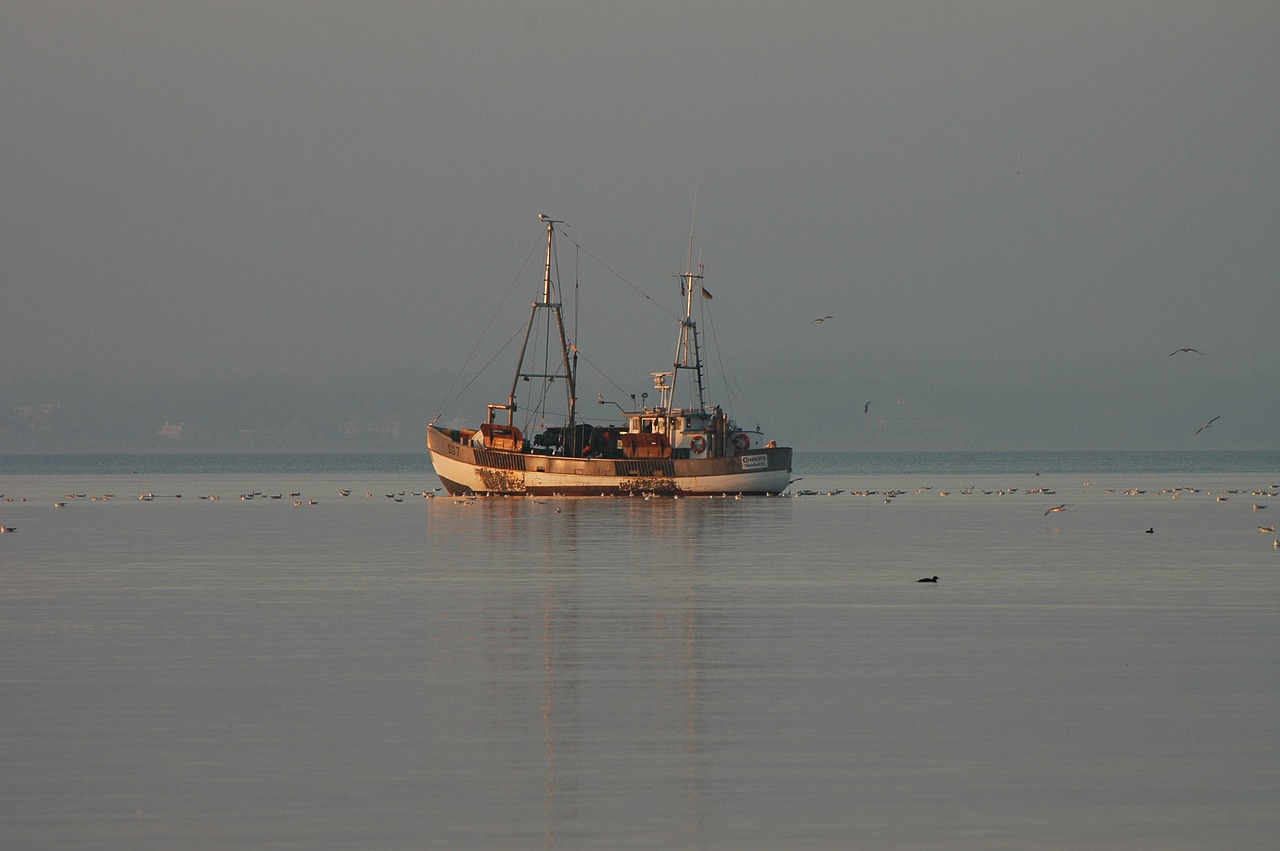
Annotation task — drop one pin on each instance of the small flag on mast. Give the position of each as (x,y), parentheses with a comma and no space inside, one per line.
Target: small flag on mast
(706,293)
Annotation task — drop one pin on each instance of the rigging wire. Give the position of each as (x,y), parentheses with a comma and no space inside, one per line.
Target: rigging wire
(489,363)
(616,274)
(727,376)
(603,375)
(450,399)
(572,388)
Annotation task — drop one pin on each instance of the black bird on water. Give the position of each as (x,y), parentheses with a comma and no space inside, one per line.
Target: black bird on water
(933,579)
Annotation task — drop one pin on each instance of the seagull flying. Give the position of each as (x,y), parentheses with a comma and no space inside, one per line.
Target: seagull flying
(1055,510)
(1185,349)
(866,407)
(821,319)
(1206,425)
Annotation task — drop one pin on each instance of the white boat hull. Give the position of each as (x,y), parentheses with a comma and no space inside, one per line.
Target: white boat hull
(465,469)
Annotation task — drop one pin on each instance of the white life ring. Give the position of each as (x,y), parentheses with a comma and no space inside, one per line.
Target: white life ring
(741,443)
(697,445)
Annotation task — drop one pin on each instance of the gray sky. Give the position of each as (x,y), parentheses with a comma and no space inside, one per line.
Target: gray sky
(1014,210)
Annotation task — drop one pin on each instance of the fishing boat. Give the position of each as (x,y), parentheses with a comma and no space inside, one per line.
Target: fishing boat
(680,445)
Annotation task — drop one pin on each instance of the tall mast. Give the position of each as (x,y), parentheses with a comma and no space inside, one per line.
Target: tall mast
(688,350)
(549,303)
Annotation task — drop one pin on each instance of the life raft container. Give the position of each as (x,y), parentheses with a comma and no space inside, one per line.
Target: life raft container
(506,437)
(644,445)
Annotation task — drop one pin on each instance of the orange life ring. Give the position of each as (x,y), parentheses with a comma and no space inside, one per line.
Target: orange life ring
(741,442)
(697,445)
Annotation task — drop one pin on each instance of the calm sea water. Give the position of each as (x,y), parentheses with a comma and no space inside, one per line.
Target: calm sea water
(760,673)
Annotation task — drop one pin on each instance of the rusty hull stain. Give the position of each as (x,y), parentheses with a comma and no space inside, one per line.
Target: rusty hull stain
(649,485)
(501,481)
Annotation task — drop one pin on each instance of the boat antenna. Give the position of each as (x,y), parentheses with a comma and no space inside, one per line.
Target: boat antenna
(693,214)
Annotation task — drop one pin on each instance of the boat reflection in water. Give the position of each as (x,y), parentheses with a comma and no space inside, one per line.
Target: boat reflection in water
(610,646)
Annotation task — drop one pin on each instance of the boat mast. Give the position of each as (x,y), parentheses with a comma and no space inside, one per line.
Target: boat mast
(548,303)
(688,350)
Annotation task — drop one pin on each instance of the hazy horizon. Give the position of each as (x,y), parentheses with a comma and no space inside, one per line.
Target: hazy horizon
(296,219)
(274,414)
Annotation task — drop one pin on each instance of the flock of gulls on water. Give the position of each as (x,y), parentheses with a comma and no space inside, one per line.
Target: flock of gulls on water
(150,496)
(888,496)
